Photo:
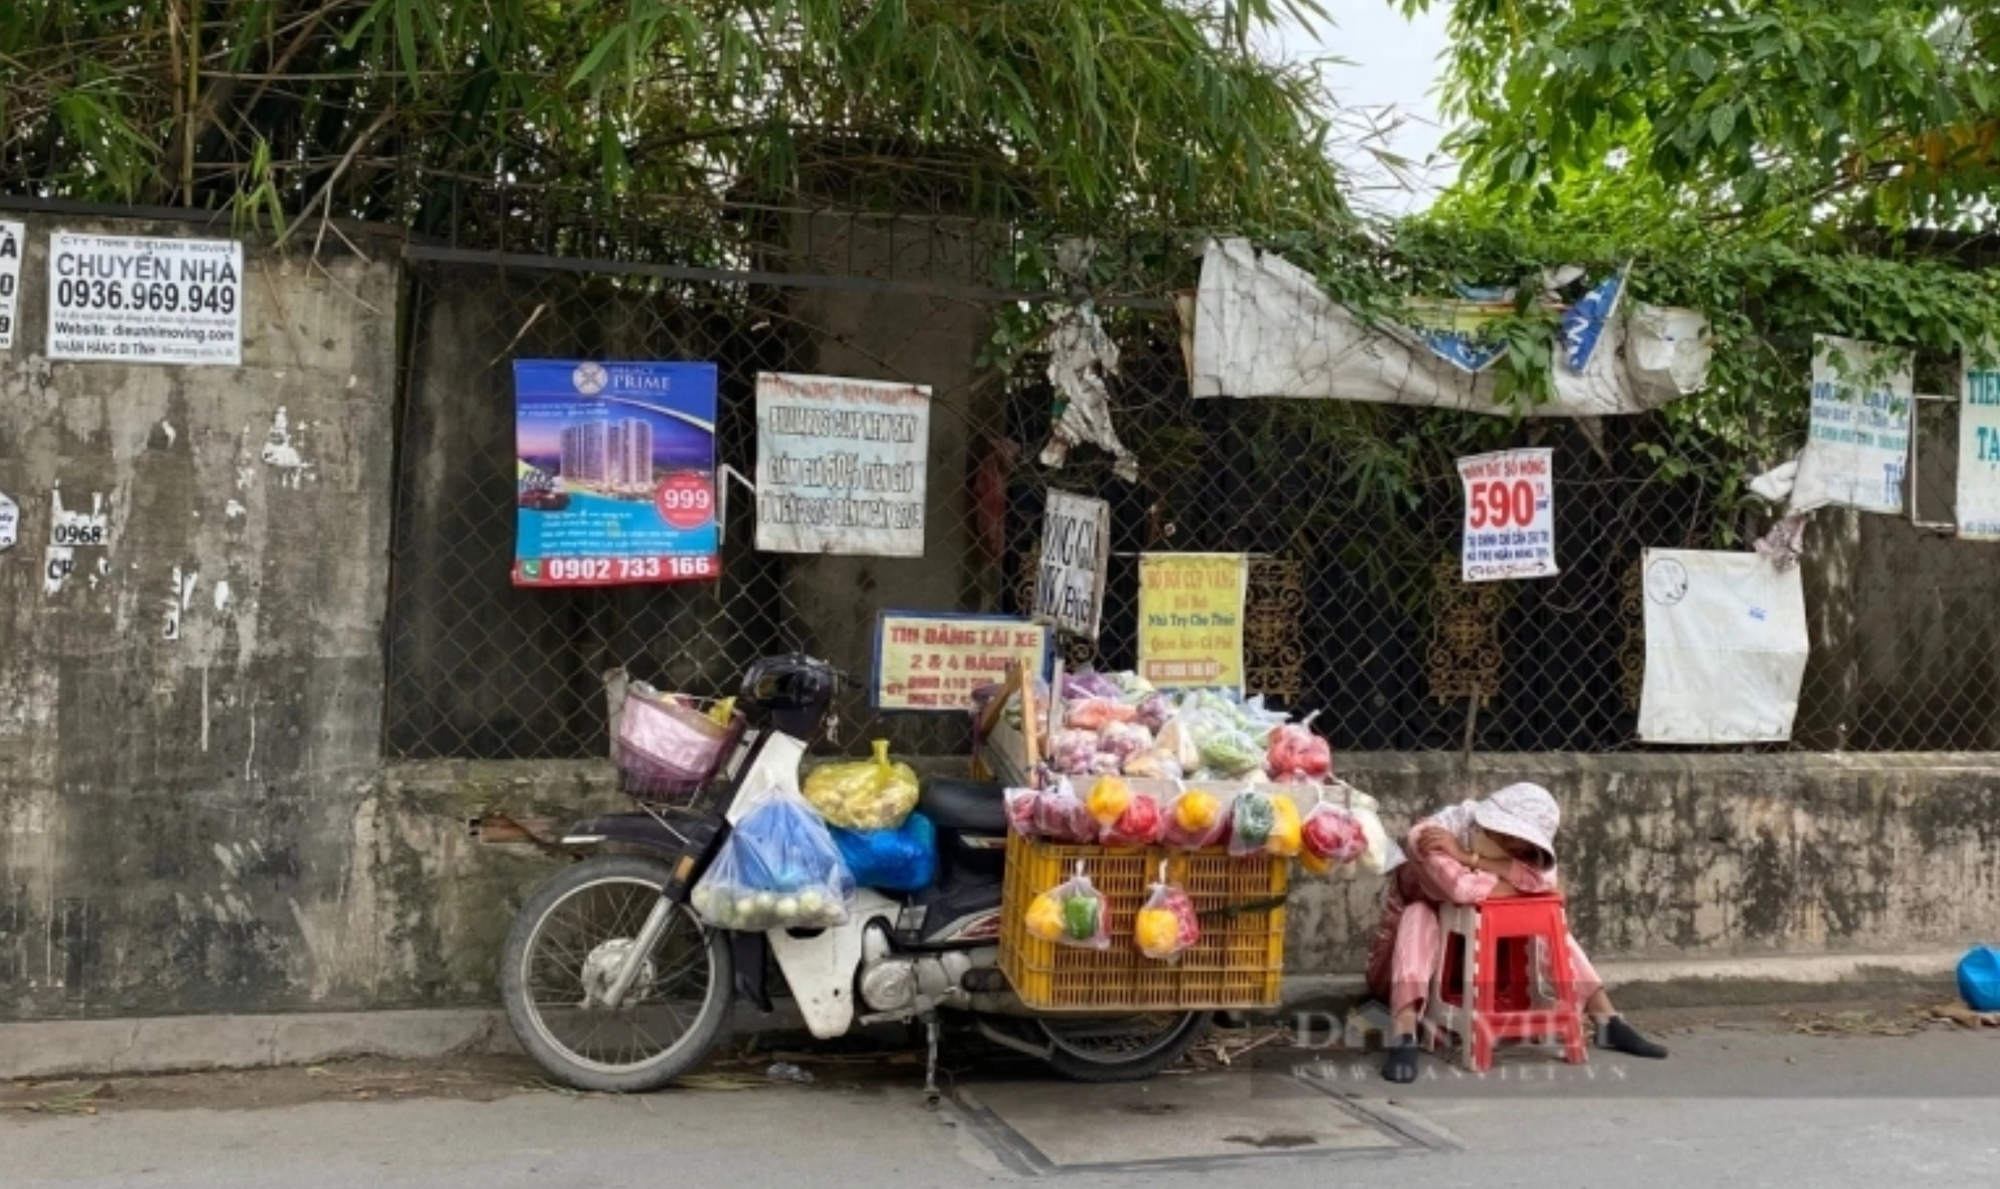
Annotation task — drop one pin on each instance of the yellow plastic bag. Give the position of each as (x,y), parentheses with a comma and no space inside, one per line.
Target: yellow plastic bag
(872,794)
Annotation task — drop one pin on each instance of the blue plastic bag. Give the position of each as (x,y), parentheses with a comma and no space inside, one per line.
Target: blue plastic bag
(900,860)
(1979,978)
(777,870)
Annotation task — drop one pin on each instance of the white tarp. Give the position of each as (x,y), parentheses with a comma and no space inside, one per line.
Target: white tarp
(1725,648)
(1858,443)
(1264,328)
(1978,510)
(841,465)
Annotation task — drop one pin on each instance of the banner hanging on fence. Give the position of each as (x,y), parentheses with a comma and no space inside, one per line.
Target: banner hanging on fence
(615,473)
(928,660)
(131,299)
(1510,520)
(1978,511)
(13,245)
(1076,545)
(1191,619)
(1726,648)
(841,465)
(1858,443)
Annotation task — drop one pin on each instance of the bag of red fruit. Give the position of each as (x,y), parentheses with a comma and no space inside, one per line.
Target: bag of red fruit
(1333,835)
(1294,753)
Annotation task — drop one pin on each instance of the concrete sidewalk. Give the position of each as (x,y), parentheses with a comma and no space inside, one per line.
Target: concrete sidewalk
(62,1048)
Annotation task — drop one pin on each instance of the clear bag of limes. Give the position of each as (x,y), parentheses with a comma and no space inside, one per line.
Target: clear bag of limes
(1071,913)
(779,869)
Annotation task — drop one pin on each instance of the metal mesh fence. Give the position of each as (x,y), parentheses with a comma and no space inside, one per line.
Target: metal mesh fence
(1351,515)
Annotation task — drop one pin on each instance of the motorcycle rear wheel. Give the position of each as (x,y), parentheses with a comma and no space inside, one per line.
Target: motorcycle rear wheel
(567,939)
(1126,1049)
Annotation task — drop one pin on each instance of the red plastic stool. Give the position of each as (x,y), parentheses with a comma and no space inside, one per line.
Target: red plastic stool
(1491,997)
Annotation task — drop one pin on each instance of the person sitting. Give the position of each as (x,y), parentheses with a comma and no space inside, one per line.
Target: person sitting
(1503,845)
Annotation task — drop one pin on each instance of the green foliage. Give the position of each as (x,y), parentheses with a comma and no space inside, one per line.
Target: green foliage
(1878,111)
(1066,109)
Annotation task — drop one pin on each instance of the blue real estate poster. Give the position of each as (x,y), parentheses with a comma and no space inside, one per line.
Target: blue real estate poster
(615,473)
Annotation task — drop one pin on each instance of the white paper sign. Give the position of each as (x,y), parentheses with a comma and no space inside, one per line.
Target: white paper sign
(10,522)
(1076,544)
(1858,446)
(1978,510)
(841,465)
(130,299)
(1510,520)
(13,246)
(1725,648)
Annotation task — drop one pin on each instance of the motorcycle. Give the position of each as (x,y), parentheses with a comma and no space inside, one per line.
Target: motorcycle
(612,983)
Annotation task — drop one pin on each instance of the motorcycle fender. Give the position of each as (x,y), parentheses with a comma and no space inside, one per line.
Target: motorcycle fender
(820,968)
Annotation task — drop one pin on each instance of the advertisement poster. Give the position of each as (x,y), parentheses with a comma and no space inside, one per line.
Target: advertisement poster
(13,245)
(615,473)
(934,660)
(1978,510)
(1858,444)
(130,299)
(1510,519)
(1191,619)
(1076,544)
(841,465)
(1725,648)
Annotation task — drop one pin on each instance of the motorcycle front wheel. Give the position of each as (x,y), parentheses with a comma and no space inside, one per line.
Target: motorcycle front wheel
(1123,1049)
(565,949)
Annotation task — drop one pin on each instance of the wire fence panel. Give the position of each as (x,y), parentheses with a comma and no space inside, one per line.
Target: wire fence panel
(1351,516)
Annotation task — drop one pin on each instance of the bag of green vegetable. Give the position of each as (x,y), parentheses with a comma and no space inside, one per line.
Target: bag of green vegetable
(1080,908)
(871,794)
(779,869)
(1252,819)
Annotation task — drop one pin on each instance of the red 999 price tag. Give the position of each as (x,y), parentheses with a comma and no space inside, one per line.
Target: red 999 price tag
(686,499)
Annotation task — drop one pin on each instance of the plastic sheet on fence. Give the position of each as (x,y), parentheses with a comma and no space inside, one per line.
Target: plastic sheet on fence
(1725,648)
(1858,443)
(1264,328)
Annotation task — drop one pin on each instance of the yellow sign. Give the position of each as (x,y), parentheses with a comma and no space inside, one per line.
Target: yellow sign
(930,661)
(1191,618)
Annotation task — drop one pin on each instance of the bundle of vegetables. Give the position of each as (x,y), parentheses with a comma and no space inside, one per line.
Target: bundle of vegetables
(1071,913)
(1166,926)
(1293,752)
(1124,817)
(779,869)
(872,794)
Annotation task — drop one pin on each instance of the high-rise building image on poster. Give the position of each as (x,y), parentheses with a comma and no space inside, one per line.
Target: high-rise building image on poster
(629,449)
(584,456)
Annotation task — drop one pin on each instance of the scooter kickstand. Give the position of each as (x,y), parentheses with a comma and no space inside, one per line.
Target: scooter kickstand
(931,1095)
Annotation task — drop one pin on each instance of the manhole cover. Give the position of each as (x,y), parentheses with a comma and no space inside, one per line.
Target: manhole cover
(1044,1127)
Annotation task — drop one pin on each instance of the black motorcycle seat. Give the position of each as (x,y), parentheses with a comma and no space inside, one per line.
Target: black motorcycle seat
(954,804)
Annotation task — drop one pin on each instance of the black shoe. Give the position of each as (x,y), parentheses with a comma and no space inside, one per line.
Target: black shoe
(1401,1064)
(1624,1038)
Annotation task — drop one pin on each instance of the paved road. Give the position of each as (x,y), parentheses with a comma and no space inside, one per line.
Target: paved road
(1731,1109)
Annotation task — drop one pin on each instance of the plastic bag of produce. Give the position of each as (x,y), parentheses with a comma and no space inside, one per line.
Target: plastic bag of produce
(1124,816)
(1166,926)
(1124,740)
(1178,741)
(1021,805)
(1072,752)
(1194,819)
(1252,819)
(872,794)
(900,860)
(1293,752)
(1154,765)
(1070,913)
(1095,714)
(1061,816)
(1106,763)
(1077,687)
(779,869)
(1155,711)
(1332,834)
(1379,851)
(1286,838)
(1222,746)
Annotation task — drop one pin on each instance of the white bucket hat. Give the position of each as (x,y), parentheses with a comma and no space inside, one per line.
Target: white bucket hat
(1524,811)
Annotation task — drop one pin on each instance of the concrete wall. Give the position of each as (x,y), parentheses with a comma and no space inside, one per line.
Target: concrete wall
(180,809)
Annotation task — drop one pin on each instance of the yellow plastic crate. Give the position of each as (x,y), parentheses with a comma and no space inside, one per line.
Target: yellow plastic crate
(1238,963)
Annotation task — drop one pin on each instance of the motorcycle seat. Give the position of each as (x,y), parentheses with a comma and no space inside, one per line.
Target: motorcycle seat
(954,804)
